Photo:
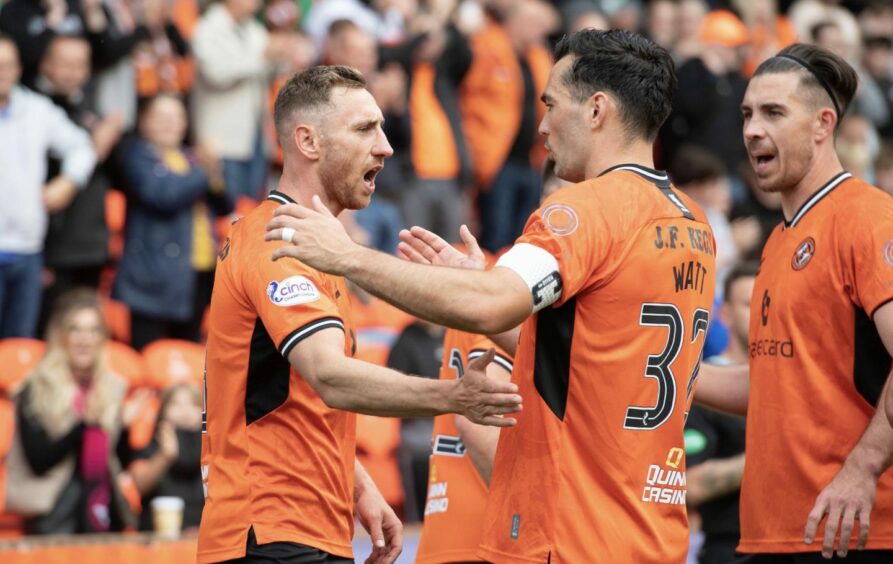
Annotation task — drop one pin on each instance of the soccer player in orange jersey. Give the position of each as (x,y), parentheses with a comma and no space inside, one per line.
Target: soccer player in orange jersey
(278,461)
(821,329)
(613,279)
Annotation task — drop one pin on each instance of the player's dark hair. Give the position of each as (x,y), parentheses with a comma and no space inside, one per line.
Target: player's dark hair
(819,70)
(741,270)
(638,73)
(310,89)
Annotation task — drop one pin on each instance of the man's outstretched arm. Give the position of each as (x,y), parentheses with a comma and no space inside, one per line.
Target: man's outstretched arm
(353,385)
(487,302)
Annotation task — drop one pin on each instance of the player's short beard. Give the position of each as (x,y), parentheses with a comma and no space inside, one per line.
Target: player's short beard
(332,169)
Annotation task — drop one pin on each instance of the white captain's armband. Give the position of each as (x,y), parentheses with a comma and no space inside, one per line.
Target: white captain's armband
(539,270)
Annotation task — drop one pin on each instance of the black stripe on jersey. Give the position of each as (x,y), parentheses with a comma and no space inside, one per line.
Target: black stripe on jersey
(660,179)
(268,376)
(502,361)
(817,197)
(304,331)
(552,357)
(279,197)
(871,361)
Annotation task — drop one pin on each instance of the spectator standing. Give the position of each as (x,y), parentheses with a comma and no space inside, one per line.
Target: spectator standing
(26,194)
(76,246)
(233,53)
(500,112)
(65,464)
(166,271)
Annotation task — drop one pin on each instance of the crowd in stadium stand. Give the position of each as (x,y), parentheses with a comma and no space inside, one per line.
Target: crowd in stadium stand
(137,131)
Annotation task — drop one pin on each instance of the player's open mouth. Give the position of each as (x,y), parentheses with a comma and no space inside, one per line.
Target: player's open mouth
(369,177)
(762,161)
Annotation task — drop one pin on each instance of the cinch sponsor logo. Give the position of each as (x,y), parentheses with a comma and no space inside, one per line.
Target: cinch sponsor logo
(292,291)
(771,347)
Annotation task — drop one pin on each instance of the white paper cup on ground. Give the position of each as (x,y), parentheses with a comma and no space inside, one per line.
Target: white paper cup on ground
(167,515)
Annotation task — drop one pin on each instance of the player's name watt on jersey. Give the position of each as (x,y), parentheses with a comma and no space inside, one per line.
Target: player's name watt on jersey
(689,275)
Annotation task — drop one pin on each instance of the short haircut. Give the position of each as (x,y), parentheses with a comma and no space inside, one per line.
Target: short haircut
(637,72)
(311,89)
(694,164)
(741,270)
(825,69)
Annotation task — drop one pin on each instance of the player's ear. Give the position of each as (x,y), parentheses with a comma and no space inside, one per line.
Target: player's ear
(595,109)
(826,122)
(306,139)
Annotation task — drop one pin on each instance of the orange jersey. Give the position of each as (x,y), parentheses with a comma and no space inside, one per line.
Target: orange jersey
(817,364)
(595,469)
(274,456)
(457,494)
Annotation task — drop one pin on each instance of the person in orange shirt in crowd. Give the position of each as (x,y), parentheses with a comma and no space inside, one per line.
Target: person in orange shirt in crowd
(278,456)
(607,450)
(821,329)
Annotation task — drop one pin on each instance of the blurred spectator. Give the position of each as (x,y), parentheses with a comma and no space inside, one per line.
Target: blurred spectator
(869,100)
(326,12)
(76,246)
(883,169)
(170,465)
(162,61)
(754,217)
(878,62)
(234,57)
(706,106)
(26,194)
(32,24)
(65,464)
(501,111)
(418,351)
(714,442)
(348,44)
(661,21)
(770,32)
(115,31)
(688,41)
(857,146)
(806,14)
(166,271)
(702,175)
(589,19)
(439,201)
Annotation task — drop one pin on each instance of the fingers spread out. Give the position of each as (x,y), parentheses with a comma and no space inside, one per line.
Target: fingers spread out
(815,517)
(846,531)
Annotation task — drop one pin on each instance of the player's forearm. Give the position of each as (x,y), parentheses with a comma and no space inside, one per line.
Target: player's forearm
(361,387)
(362,481)
(874,451)
(714,478)
(469,300)
(724,388)
(507,340)
(480,445)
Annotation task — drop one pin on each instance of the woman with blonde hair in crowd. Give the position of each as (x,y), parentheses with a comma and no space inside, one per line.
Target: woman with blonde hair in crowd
(64,472)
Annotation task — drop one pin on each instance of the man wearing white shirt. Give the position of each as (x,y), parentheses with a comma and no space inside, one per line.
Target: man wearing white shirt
(31,127)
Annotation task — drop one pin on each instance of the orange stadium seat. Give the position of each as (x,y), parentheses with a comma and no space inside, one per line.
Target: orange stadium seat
(126,363)
(117,318)
(18,357)
(171,361)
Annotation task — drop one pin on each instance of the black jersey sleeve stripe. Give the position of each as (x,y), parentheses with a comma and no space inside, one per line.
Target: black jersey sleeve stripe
(301,333)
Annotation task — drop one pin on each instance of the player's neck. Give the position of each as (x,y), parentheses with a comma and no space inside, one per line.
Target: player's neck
(637,152)
(825,166)
(302,187)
